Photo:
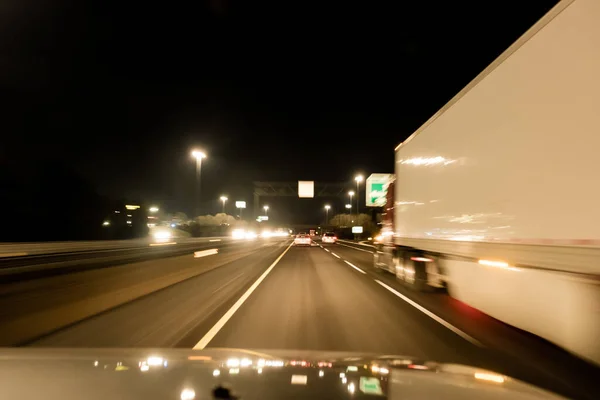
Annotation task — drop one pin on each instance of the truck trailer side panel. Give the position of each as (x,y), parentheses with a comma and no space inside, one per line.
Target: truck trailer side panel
(503,184)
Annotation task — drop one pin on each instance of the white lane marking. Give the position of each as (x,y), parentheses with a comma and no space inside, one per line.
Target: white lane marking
(162,244)
(327,250)
(355,248)
(214,240)
(227,316)
(204,253)
(335,255)
(432,315)
(355,267)
(226,283)
(358,243)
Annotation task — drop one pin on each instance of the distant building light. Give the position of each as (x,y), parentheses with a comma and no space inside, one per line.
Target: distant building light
(132,206)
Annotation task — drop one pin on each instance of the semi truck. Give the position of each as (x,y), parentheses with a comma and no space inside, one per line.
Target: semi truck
(496,197)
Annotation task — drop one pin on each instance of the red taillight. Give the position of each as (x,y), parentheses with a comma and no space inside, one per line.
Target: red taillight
(421,259)
(416,366)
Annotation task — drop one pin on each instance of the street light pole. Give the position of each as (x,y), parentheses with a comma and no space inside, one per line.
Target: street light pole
(349,207)
(357,199)
(351,193)
(358,180)
(223,199)
(198,155)
(327,207)
(198,183)
(266,208)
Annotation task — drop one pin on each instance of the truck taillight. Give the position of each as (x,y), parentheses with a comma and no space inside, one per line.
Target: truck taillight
(421,259)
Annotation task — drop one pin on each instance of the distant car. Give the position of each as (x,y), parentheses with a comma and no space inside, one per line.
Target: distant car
(329,237)
(302,239)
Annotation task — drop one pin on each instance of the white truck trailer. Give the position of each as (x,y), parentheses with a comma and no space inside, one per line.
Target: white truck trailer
(497,195)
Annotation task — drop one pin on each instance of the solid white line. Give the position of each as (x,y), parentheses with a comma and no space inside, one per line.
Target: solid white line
(227,316)
(366,244)
(355,267)
(432,315)
(335,255)
(358,243)
(356,248)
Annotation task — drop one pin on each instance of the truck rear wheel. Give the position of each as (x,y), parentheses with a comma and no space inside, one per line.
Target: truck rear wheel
(415,273)
(398,266)
(382,258)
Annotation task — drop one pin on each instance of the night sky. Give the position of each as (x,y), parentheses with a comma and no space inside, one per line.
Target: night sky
(122,91)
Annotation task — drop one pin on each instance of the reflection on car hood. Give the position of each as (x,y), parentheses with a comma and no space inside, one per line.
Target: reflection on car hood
(246,374)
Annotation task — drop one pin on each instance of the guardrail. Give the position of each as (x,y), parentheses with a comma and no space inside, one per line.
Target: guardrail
(38,248)
(62,261)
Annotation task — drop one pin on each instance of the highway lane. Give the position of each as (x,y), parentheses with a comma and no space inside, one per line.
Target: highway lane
(316,299)
(32,308)
(169,316)
(512,351)
(311,299)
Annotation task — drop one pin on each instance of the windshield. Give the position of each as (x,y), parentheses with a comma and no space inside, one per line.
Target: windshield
(396,183)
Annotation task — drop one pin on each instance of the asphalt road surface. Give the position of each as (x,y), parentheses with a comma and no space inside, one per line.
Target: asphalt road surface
(270,295)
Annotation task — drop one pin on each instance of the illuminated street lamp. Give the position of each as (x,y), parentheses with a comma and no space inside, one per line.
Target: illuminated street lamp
(198,155)
(327,207)
(358,179)
(153,209)
(266,208)
(223,199)
(350,193)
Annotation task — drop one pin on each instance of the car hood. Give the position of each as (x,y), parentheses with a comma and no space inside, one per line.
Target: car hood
(246,374)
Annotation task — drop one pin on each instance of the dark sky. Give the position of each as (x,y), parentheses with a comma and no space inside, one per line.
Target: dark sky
(121,91)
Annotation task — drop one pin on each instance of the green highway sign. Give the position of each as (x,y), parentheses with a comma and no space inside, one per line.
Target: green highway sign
(370,385)
(376,187)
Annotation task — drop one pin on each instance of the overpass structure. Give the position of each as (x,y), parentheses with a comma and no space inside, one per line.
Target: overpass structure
(290,189)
